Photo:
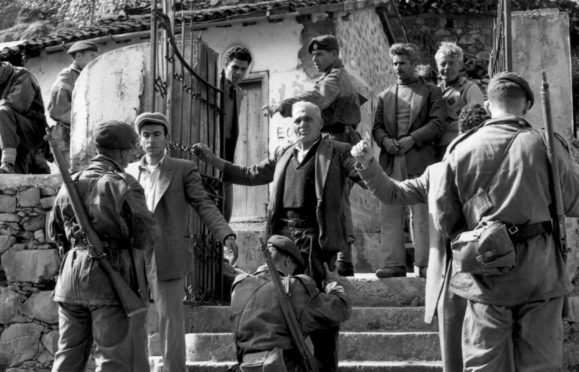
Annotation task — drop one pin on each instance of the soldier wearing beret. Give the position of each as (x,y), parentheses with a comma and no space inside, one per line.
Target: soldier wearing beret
(22,120)
(335,95)
(257,318)
(59,107)
(173,189)
(499,172)
(89,309)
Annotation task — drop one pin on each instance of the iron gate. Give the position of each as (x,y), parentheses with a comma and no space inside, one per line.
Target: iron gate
(185,79)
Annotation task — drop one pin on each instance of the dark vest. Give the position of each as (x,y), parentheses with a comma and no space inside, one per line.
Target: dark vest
(299,194)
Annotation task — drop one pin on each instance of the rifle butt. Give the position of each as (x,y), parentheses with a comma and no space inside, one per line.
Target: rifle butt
(129,300)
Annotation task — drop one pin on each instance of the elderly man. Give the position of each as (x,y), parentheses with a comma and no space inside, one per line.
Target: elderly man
(22,120)
(88,307)
(409,117)
(172,187)
(335,95)
(59,107)
(259,324)
(457,91)
(500,174)
(306,202)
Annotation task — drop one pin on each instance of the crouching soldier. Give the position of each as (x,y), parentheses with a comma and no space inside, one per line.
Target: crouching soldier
(261,331)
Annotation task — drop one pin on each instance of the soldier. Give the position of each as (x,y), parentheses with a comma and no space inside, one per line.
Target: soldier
(259,324)
(308,180)
(409,117)
(499,174)
(59,107)
(335,95)
(457,91)
(237,63)
(22,120)
(89,309)
(173,189)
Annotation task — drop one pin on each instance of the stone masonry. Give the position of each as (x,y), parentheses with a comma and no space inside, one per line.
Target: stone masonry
(28,269)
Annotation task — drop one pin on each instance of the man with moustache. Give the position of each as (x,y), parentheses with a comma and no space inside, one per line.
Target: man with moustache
(172,187)
(409,117)
(335,95)
(306,204)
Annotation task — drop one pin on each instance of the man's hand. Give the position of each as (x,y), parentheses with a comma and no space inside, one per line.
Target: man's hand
(272,109)
(230,250)
(406,144)
(362,151)
(331,276)
(203,152)
(391,146)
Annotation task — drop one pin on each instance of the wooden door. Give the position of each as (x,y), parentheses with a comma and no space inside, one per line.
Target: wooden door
(252,147)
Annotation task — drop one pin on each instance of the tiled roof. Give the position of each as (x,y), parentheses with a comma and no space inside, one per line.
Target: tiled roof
(139,20)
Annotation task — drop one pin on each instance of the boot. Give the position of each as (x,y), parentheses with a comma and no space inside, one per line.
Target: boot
(6,168)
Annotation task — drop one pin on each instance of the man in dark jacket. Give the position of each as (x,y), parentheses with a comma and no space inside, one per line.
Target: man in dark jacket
(335,95)
(306,204)
(409,118)
(258,321)
(22,120)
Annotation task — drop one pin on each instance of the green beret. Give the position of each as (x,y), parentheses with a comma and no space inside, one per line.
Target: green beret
(287,246)
(80,46)
(513,77)
(115,135)
(324,42)
(151,118)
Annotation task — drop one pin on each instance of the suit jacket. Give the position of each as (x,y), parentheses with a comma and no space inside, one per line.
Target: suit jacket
(333,164)
(178,190)
(427,117)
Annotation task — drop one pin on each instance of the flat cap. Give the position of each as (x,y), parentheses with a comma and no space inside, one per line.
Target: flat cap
(80,46)
(323,42)
(115,135)
(513,77)
(151,118)
(287,246)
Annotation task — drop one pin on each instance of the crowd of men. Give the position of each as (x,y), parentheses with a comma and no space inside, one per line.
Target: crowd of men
(466,168)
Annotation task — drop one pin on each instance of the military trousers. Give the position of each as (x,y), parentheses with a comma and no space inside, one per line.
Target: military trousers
(108,327)
(527,337)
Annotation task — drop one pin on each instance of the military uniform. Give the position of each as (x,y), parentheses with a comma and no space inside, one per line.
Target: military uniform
(258,321)
(22,120)
(500,173)
(89,308)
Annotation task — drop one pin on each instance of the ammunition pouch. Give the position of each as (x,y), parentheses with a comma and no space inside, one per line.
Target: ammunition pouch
(490,248)
(264,361)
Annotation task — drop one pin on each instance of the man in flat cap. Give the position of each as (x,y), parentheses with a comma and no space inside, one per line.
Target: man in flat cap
(409,118)
(60,105)
(22,120)
(500,173)
(257,318)
(335,95)
(88,306)
(306,203)
(172,187)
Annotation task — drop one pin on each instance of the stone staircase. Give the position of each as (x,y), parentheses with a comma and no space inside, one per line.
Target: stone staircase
(386,331)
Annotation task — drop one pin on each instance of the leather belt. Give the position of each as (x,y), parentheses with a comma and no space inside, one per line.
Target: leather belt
(297,224)
(519,233)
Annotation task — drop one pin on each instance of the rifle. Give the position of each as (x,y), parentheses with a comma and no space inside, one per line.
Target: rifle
(129,300)
(309,362)
(558,211)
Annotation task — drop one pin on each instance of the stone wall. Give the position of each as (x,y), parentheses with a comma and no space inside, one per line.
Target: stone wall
(28,266)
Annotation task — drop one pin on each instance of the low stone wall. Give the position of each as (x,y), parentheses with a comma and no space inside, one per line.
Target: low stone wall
(29,265)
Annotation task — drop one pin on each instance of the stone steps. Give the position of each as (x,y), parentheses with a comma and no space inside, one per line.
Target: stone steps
(362,346)
(363,319)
